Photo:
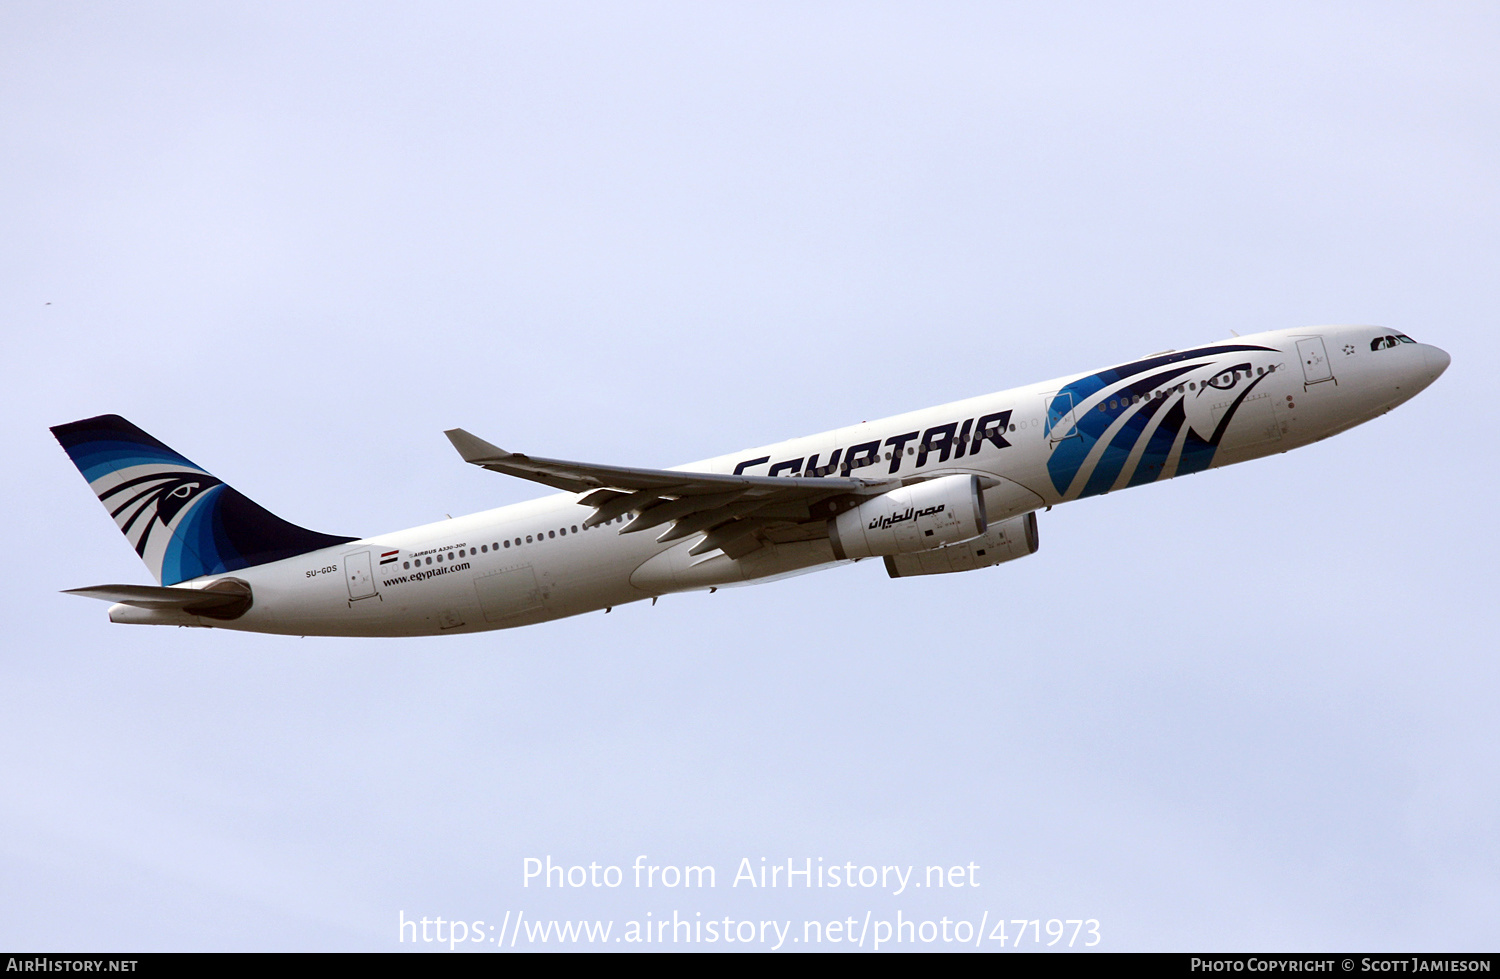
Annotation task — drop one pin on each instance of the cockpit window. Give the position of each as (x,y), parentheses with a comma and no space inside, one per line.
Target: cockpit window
(1386,342)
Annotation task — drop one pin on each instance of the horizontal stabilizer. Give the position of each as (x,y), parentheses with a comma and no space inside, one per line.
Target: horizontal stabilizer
(227,598)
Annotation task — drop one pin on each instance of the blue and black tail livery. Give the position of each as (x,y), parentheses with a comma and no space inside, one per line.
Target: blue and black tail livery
(182,521)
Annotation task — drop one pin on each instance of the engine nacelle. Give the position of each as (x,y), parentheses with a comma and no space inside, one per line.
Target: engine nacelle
(913,518)
(1003,541)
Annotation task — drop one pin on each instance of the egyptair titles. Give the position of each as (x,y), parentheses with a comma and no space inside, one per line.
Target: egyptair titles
(952,440)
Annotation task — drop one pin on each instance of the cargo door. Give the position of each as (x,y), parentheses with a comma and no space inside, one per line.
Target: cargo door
(508,592)
(1252,422)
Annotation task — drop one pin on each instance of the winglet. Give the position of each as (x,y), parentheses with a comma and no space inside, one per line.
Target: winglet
(475,449)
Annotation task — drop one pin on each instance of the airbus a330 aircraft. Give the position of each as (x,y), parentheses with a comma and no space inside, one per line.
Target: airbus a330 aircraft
(945,489)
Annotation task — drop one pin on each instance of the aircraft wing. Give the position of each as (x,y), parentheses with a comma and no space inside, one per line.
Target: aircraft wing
(731,510)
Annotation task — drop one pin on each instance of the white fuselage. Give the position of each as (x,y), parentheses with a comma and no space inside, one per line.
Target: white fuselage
(1057,441)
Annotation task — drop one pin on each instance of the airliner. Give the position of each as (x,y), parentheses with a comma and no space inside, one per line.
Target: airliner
(939,491)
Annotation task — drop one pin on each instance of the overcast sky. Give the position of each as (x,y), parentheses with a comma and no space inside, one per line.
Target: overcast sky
(1254,709)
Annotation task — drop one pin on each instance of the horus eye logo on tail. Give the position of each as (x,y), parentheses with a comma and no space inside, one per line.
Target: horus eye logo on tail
(182,521)
(147,507)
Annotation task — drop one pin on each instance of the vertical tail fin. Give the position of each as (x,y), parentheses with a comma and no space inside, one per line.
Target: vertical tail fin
(182,521)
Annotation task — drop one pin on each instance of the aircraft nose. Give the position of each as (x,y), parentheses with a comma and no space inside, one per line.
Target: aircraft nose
(1437,361)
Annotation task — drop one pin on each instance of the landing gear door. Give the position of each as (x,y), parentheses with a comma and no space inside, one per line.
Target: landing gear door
(1061,422)
(1315,364)
(357,575)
